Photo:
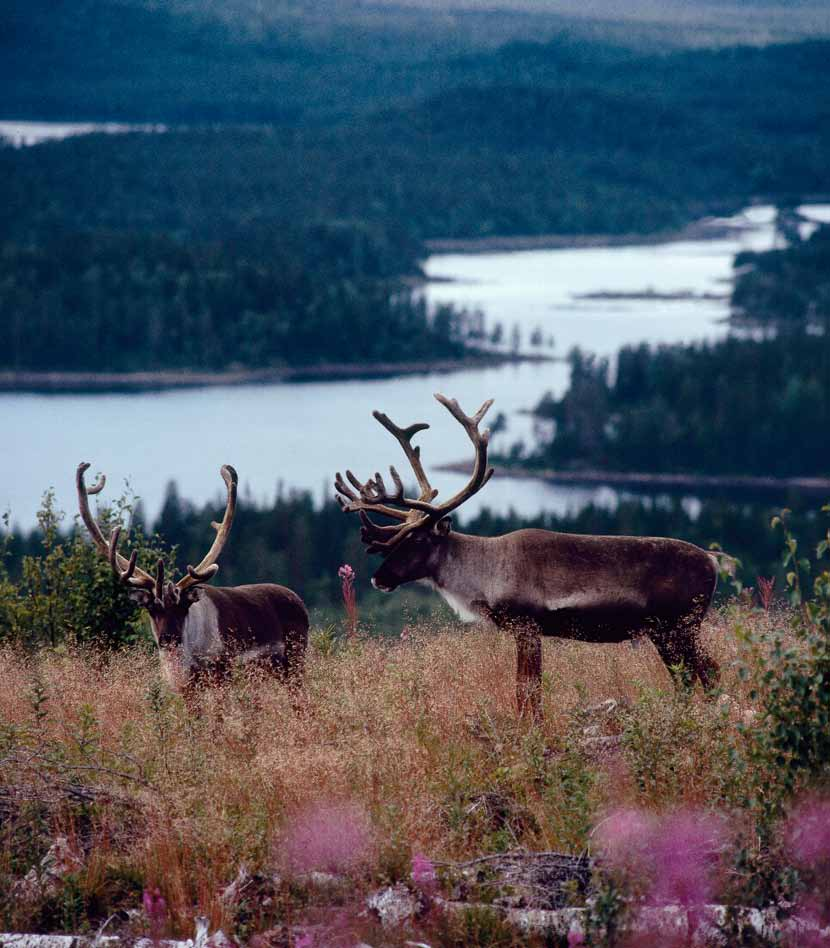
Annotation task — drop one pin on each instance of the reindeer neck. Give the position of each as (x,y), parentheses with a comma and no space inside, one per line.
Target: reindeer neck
(461,575)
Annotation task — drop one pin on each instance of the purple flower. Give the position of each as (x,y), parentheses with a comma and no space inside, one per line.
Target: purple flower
(155,908)
(677,856)
(624,838)
(327,838)
(686,849)
(808,833)
(423,872)
(347,577)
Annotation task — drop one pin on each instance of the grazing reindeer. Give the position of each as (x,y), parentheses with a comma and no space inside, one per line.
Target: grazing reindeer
(534,582)
(202,630)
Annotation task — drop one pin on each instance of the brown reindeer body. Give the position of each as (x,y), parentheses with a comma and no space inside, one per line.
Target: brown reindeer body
(535,580)
(536,583)
(202,631)
(264,625)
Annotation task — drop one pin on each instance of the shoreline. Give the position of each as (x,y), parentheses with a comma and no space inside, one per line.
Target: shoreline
(651,483)
(171,379)
(707,228)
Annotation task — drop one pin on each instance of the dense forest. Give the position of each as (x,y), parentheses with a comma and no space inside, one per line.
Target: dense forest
(131,302)
(743,405)
(528,140)
(291,61)
(786,289)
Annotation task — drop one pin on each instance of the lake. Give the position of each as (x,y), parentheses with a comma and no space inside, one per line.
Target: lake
(299,434)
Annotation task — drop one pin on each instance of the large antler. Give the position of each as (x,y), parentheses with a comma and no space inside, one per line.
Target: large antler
(125,570)
(208,568)
(374,497)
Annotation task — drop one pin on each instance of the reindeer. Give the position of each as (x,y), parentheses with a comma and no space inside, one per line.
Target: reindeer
(202,630)
(534,582)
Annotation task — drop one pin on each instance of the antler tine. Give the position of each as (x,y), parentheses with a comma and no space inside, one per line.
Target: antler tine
(371,531)
(208,574)
(124,575)
(374,497)
(365,498)
(125,570)
(481,473)
(160,580)
(205,568)
(404,437)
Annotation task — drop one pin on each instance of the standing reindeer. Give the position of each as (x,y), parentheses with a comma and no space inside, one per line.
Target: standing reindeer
(534,582)
(202,630)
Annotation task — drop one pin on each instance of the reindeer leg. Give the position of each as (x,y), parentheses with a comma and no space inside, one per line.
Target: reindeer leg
(529,672)
(678,643)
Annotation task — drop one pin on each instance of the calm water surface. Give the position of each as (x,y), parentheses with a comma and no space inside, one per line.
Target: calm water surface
(299,434)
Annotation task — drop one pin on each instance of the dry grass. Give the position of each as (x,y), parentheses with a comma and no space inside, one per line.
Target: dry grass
(422,735)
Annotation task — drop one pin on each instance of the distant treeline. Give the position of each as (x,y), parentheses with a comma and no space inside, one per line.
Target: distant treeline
(786,289)
(137,301)
(737,406)
(530,139)
(300,545)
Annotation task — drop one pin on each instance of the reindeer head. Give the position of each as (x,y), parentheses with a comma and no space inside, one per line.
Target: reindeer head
(166,602)
(413,546)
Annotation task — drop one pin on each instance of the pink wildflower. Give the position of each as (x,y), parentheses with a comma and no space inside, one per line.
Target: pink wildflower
(624,838)
(423,872)
(676,856)
(347,577)
(765,591)
(155,908)
(808,834)
(807,838)
(686,849)
(327,838)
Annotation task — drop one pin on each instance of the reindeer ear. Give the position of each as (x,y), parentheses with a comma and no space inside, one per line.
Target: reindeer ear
(141,597)
(443,527)
(190,595)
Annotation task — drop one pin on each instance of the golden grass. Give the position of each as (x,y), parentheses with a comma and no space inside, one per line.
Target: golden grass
(413,732)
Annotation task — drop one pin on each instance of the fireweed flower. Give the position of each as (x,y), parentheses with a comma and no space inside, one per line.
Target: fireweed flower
(808,834)
(686,850)
(327,838)
(155,908)
(347,577)
(423,872)
(807,841)
(675,858)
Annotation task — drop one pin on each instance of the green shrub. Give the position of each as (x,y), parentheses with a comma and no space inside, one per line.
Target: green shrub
(789,750)
(67,592)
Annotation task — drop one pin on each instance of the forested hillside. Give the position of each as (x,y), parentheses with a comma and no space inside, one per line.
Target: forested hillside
(258,246)
(121,302)
(532,139)
(278,61)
